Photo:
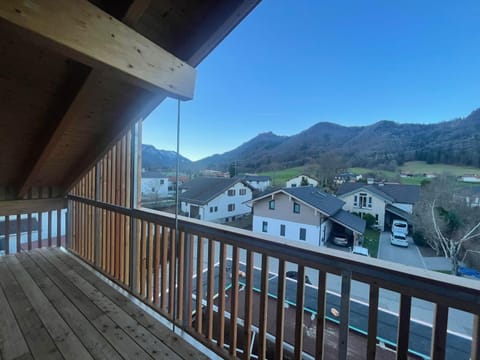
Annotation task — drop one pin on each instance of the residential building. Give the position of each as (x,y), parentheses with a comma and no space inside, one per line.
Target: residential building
(346,177)
(258,182)
(154,185)
(301,180)
(471,195)
(469,178)
(303,214)
(384,201)
(216,199)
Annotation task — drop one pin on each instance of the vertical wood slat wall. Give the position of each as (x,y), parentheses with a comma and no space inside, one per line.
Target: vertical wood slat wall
(24,230)
(100,236)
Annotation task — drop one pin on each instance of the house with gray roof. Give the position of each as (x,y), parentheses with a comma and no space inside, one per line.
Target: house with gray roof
(259,182)
(216,199)
(154,185)
(385,201)
(303,214)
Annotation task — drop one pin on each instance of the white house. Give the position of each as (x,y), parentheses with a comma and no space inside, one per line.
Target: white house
(385,202)
(301,179)
(216,199)
(154,185)
(258,182)
(470,178)
(303,214)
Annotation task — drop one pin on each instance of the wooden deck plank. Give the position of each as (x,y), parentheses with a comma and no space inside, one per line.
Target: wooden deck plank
(92,339)
(160,331)
(12,343)
(39,341)
(66,341)
(119,339)
(140,334)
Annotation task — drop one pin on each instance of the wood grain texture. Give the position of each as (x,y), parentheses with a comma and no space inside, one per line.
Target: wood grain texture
(115,48)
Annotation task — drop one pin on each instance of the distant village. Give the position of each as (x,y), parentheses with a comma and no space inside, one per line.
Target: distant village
(298,211)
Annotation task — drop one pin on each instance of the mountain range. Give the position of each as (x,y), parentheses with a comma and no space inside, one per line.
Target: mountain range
(385,143)
(155,159)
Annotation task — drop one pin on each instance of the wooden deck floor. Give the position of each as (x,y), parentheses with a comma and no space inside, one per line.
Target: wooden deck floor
(52,307)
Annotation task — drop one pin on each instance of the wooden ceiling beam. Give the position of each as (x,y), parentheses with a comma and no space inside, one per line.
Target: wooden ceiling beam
(94,154)
(134,13)
(83,32)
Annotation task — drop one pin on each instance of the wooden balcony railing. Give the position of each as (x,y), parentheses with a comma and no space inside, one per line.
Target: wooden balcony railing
(29,224)
(215,282)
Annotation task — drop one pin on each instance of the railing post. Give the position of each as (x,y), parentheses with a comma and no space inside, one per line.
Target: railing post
(68,225)
(344,315)
(96,224)
(133,204)
(476,338)
(186,286)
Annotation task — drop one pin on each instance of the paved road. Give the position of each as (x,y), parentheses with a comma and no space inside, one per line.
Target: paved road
(409,256)
(458,321)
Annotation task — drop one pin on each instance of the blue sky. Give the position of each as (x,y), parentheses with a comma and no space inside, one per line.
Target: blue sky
(293,63)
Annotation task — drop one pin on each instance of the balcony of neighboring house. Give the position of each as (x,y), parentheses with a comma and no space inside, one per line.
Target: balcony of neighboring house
(85,272)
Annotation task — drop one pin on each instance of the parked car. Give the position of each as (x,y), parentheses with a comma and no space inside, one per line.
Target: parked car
(294,276)
(340,239)
(399,239)
(359,250)
(400,226)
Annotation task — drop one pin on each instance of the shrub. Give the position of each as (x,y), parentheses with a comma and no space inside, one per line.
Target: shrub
(419,239)
(369,219)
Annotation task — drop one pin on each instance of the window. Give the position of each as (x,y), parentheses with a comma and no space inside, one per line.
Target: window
(363,200)
(231,192)
(231,207)
(211,209)
(162,182)
(216,208)
(282,230)
(296,208)
(153,189)
(369,201)
(264,226)
(376,219)
(355,200)
(303,234)
(242,191)
(294,185)
(271,204)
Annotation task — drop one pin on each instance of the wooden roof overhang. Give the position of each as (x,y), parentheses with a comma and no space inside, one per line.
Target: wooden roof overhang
(75,75)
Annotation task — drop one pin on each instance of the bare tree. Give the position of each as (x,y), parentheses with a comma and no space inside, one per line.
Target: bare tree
(325,167)
(444,218)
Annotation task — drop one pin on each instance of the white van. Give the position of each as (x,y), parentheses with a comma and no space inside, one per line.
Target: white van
(400,226)
(399,239)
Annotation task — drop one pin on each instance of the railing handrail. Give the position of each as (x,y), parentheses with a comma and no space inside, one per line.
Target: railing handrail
(464,294)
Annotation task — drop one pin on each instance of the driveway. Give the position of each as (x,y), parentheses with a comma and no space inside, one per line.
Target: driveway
(407,256)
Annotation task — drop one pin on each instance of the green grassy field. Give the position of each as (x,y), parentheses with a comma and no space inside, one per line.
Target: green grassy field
(421,167)
(279,177)
(371,240)
(418,167)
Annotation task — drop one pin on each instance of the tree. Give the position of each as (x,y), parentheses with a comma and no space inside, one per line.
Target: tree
(444,218)
(304,181)
(232,169)
(325,167)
